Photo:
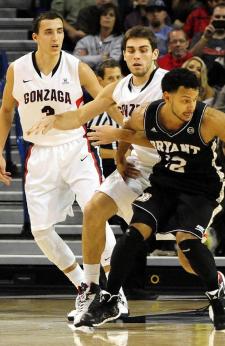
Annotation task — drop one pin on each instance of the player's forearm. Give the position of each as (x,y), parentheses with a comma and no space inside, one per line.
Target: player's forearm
(5,125)
(71,120)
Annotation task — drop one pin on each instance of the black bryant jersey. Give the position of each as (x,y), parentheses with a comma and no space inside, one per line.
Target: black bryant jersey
(187,162)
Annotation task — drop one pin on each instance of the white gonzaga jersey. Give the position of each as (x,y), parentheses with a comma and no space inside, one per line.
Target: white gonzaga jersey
(128,97)
(39,95)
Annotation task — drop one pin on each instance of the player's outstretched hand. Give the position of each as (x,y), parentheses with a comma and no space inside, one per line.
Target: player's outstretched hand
(5,177)
(104,134)
(43,126)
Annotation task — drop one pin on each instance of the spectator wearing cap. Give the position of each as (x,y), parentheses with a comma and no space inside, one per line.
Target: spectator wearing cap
(158,16)
(178,51)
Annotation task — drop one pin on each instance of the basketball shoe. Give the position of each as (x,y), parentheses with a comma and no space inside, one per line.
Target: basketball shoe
(103,308)
(84,298)
(81,306)
(217,304)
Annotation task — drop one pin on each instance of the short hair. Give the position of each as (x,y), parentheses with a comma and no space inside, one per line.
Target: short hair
(43,16)
(109,63)
(178,77)
(174,30)
(140,31)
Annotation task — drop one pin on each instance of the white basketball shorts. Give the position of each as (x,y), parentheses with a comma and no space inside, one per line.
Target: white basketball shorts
(55,175)
(125,192)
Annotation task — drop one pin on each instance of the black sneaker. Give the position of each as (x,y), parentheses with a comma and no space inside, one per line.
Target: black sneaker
(216,309)
(104,308)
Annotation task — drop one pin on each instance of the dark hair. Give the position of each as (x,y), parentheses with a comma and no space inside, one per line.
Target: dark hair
(140,31)
(179,77)
(109,63)
(45,15)
(104,9)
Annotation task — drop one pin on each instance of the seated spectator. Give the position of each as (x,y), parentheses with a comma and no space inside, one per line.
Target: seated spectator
(180,10)
(199,18)
(211,44)
(69,10)
(138,16)
(197,65)
(158,16)
(87,19)
(178,51)
(93,49)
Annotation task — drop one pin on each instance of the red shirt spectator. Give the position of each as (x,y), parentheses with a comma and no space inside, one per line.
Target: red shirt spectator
(197,21)
(169,62)
(178,50)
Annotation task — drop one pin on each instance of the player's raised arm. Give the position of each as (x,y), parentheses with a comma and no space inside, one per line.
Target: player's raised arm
(132,131)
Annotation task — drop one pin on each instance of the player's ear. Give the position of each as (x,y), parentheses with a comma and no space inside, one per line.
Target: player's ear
(155,54)
(34,36)
(166,96)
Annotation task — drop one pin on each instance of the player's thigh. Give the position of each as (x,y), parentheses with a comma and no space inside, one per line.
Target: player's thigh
(153,207)
(193,214)
(121,193)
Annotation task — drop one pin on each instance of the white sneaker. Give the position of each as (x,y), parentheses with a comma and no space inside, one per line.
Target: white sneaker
(84,300)
(78,302)
(123,304)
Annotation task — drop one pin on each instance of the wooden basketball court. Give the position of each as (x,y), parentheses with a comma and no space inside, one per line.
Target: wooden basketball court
(166,321)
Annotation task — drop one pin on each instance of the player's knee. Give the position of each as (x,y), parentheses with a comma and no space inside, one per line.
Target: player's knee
(98,209)
(184,262)
(39,234)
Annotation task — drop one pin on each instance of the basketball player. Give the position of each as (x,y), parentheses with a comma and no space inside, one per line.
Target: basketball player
(116,195)
(60,165)
(186,187)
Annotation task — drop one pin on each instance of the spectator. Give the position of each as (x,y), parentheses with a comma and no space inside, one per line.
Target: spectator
(211,44)
(180,10)
(197,65)
(94,49)
(216,77)
(138,16)
(87,19)
(69,11)
(199,18)
(158,16)
(178,51)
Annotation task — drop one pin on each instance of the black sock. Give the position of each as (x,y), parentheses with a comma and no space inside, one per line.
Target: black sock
(123,258)
(201,261)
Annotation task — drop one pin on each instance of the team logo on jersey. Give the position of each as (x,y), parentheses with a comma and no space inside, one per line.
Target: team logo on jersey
(200,228)
(190,130)
(154,129)
(65,81)
(144,197)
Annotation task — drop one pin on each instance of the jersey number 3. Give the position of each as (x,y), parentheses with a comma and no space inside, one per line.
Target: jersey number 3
(48,110)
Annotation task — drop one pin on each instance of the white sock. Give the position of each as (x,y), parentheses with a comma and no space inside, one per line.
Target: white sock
(76,276)
(91,273)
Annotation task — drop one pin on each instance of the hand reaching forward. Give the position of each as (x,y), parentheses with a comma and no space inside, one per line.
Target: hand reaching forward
(4,176)
(104,134)
(42,126)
